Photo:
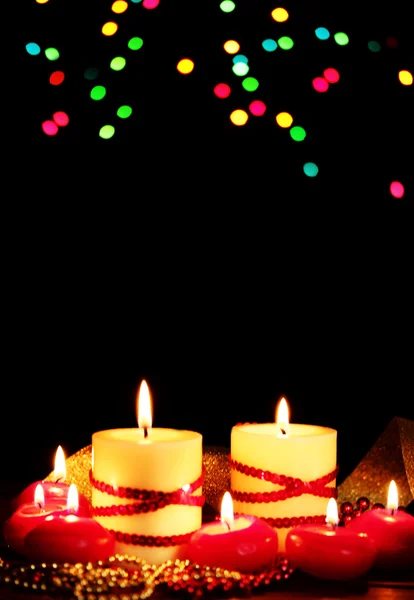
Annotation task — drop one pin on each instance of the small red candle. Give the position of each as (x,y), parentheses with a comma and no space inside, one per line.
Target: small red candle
(392,530)
(55,491)
(28,516)
(243,543)
(326,551)
(69,538)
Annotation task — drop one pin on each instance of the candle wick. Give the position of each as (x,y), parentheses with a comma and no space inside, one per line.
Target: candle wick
(392,511)
(58,479)
(145,432)
(283,431)
(40,506)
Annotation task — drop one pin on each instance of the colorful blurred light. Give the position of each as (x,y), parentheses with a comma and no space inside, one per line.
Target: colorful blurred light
(297,133)
(106,132)
(331,75)
(320,84)
(91,73)
(239,117)
(150,4)
(109,28)
(405,77)
(124,111)
(397,189)
(269,45)
(50,127)
(119,6)
(250,84)
(52,54)
(240,69)
(284,119)
(135,43)
(185,66)
(222,90)
(374,46)
(310,169)
(240,58)
(98,92)
(257,108)
(227,6)
(322,33)
(341,38)
(56,78)
(280,15)
(285,42)
(61,118)
(118,63)
(33,48)
(391,41)
(231,46)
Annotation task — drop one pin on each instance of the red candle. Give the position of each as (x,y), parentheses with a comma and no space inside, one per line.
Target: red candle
(392,530)
(28,516)
(55,491)
(326,551)
(245,543)
(68,538)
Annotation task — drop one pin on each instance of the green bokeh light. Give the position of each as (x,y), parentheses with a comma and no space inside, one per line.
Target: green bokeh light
(374,46)
(135,43)
(106,132)
(297,133)
(227,6)
(341,38)
(91,73)
(118,63)
(310,169)
(250,84)
(98,92)
(285,42)
(52,53)
(240,69)
(124,111)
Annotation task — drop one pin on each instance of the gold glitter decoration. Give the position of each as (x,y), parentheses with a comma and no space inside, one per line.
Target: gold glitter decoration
(216,482)
(391,457)
(127,577)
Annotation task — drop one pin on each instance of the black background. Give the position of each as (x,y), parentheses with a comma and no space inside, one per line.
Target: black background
(198,256)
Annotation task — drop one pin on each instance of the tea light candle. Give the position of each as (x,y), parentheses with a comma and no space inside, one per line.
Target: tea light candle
(54,491)
(147,484)
(283,472)
(326,551)
(63,537)
(245,543)
(391,529)
(27,517)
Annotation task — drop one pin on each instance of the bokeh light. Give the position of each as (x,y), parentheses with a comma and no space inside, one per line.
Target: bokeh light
(310,169)
(331,75)
(257,108)
(391,41)
(320,84)
(135,43)
(33,48)
(341,38)
(322,33)
(231,46)
(240,58)
(284,119)
(397,189)
(227,6)
(106,132)
(118,63)
(91,73)
(124,111)
(297,133)
(250,84)
(50,127)
(269,45)
(42,1)
(240,69)
(285,42)
(185,66)
(52,54)
(374,46)
(280,15)
(109,28)
(150,4)
(61,118)
(239,117)
(57,77)
(405,77)
(98,92)
(222,90)
(119,6)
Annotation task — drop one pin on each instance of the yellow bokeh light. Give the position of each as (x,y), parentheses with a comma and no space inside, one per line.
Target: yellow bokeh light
(280,15)
(185,66)
(42,1)
(284,119)
(119,6)
(405,77)
(231,46)
(109,28)
(239,117)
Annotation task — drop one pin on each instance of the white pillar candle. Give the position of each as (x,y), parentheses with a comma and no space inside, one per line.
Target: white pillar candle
(304,452)
(141,460)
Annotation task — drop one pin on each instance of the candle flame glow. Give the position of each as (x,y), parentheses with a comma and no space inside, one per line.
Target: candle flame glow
(332,512)
(144,406)
(227,512)
(392,502)
(282,418)
(72,502)
(39,495)
(59,473)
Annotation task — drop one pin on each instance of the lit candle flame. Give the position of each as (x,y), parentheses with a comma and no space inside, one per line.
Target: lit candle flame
(72,502)
(144,408)
(392,503)
(282,418)
(332,512)
(59,473)
(39,496)
(227,512)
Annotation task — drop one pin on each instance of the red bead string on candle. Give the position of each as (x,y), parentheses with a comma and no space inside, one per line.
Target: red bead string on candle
(148,501)
(282,522)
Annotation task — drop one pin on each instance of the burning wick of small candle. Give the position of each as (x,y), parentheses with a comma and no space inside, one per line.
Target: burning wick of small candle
(145,432)
(332,518)
(144,408)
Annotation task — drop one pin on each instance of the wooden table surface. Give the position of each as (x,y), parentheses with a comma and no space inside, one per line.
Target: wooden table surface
(375,586)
